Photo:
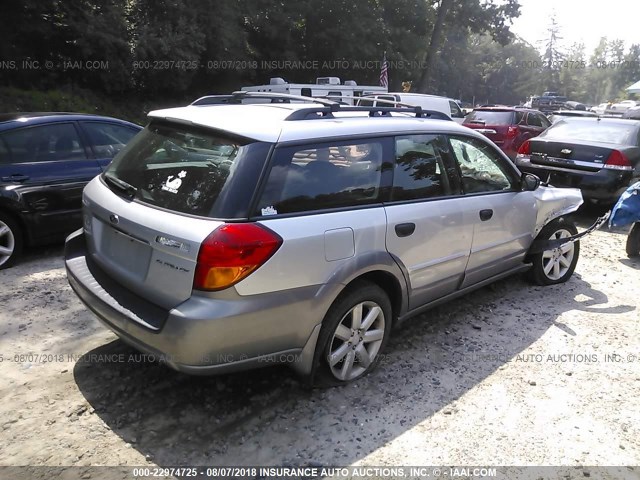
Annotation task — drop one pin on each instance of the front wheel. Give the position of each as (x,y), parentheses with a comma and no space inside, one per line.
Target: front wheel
(10,241)
(355,331)
(556,265)
(633,241)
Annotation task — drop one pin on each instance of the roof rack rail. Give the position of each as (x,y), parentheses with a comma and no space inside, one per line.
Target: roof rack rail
(313,113)
(325,111)
(236,98)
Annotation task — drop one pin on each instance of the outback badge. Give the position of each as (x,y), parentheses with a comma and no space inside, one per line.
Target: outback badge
(168,242)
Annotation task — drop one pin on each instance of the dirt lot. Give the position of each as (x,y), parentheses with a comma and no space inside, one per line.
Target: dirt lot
(509,375)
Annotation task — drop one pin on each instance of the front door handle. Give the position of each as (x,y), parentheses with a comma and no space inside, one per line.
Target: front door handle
(405,229)
(16,177)
(486,214)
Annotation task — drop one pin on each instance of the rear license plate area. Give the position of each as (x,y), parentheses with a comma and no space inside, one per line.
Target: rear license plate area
(127,252)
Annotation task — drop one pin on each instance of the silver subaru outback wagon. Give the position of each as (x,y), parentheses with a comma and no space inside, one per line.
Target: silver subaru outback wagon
(227,237)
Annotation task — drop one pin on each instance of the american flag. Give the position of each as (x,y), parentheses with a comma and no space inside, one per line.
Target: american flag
(384,73)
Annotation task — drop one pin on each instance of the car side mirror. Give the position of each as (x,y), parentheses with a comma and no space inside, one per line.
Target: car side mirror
(529,182)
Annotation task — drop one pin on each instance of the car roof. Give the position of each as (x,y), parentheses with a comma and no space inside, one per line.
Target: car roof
(10,120)
(505,109)
(577,113)
(609,120)
(268,122)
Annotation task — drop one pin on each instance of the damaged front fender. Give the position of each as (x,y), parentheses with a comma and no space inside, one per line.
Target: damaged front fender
(553,203)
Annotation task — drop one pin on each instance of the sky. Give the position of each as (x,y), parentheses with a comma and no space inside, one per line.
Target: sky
(580,21)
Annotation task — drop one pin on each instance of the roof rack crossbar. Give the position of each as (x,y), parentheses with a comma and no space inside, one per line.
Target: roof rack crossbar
(327,112)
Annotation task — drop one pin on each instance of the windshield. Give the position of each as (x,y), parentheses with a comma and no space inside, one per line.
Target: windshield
(593,131)
(490,117)
(177,168)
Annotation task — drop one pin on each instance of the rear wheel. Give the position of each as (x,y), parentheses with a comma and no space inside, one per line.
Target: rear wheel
(555,265)
(633,241)
(10,241)
(355,330)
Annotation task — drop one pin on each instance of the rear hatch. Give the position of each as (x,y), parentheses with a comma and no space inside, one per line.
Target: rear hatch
(494,124)
(146,217)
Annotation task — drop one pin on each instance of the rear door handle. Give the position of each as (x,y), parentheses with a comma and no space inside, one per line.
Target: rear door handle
(405,229)
(486,214)
(16,177)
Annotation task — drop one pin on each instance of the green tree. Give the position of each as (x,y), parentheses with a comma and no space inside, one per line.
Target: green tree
(166,40)
(553,56)
(470,15)
(598,79)
(629,71)
(572,74)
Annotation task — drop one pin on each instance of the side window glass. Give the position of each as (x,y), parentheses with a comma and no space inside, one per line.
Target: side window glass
(533,120)
(544,121)
(520,118)
(107,139)
(420,171)
(455,110)
(481,168)
(5,157)
(388,98)
(323,176)
(44,144)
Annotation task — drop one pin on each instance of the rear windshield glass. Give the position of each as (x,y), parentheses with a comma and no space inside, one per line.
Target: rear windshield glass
(490,117)
(594,131)
(178,168)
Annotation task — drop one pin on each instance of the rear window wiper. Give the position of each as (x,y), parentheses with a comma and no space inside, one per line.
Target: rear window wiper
(121,185)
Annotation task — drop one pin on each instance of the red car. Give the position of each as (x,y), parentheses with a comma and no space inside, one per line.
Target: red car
(507,127)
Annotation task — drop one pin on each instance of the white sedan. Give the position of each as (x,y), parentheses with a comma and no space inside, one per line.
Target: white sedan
(600,109)
(624,105)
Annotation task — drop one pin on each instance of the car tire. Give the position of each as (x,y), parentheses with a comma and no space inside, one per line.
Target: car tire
(10,241)
(633,241)
(557,265)
(347,348)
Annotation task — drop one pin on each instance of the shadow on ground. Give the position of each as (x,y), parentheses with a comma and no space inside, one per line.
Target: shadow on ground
(266,417)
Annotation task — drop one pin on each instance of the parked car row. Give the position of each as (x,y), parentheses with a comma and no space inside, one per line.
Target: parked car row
(572,148)
(187,237)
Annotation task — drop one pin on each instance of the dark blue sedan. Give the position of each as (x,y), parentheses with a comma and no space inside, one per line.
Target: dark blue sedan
(46,159)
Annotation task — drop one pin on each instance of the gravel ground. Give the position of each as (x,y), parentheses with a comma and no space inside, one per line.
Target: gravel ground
(509,375)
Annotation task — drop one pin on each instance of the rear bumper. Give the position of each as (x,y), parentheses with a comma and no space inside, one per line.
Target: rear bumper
(203,335)
(604,185)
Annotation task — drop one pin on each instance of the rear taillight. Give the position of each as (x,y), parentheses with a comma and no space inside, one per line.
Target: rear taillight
(512,131)
(618,161)
(525,148)
(232,252)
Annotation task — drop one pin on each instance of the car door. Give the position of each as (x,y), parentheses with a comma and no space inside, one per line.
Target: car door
(429,233)
(457,114)
(538,123)
(47,168)
(106,139)
(503,216)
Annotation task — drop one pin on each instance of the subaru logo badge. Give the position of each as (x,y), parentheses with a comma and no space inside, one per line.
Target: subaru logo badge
(115,219)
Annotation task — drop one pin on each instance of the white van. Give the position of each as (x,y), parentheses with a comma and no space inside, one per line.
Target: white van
(428,102)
